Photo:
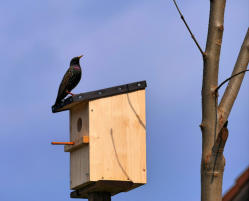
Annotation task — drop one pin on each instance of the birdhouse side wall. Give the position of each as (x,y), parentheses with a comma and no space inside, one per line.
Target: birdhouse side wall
(79,158)
(117,133)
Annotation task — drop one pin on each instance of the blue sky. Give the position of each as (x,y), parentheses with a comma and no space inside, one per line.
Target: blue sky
(123,41)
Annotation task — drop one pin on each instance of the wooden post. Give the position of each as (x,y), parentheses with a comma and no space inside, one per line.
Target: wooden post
(99,196)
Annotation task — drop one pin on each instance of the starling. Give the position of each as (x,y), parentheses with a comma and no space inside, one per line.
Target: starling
(70,80)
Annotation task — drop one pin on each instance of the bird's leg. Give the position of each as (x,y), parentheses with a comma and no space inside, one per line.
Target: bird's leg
(68,92)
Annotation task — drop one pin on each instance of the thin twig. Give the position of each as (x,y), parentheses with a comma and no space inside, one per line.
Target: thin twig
(216,95)
(192,35)
(243,71)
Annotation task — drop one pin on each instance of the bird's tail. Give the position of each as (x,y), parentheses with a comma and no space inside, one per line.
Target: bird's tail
(57,101)
(60,98)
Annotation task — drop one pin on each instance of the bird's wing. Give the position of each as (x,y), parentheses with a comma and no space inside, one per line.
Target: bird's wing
(63,86)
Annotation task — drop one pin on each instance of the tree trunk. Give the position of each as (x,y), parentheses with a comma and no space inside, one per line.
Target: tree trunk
(214,118)
(211,179)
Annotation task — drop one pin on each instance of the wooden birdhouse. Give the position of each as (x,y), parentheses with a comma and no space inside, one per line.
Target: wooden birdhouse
(107,139)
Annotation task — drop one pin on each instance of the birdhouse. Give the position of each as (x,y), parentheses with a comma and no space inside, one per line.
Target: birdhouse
(107,139)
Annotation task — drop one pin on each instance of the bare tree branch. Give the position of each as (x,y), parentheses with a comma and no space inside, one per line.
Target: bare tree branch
(186,24)
(234,84)
(216,97)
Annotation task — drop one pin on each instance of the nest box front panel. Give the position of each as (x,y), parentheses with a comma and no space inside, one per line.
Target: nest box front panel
(79,159)
(117,130)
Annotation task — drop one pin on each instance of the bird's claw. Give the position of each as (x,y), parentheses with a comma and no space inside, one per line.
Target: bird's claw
(68,92)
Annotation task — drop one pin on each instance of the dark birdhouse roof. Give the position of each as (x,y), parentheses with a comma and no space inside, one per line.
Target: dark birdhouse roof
(92,95)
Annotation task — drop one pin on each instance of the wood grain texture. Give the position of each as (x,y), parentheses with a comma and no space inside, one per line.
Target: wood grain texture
(118,138)
(79,159)
(115,129)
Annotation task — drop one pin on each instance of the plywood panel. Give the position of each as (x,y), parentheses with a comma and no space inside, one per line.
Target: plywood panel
(118,138)
(79,159)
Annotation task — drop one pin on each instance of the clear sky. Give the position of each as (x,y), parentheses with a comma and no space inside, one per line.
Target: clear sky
(123,42)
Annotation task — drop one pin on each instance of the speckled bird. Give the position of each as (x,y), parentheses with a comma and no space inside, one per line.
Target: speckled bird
(70,80)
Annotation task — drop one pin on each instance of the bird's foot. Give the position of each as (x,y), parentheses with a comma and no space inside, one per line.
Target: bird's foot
(68,92)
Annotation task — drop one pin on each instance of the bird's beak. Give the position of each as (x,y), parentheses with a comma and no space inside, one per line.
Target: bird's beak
(80,56)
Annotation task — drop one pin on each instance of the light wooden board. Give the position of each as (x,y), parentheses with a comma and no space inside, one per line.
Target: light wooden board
(118,138)
(78,143)
(79,159)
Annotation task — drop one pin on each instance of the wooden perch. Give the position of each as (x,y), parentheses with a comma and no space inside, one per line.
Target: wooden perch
(77,144)
(62,143)
(71,146)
